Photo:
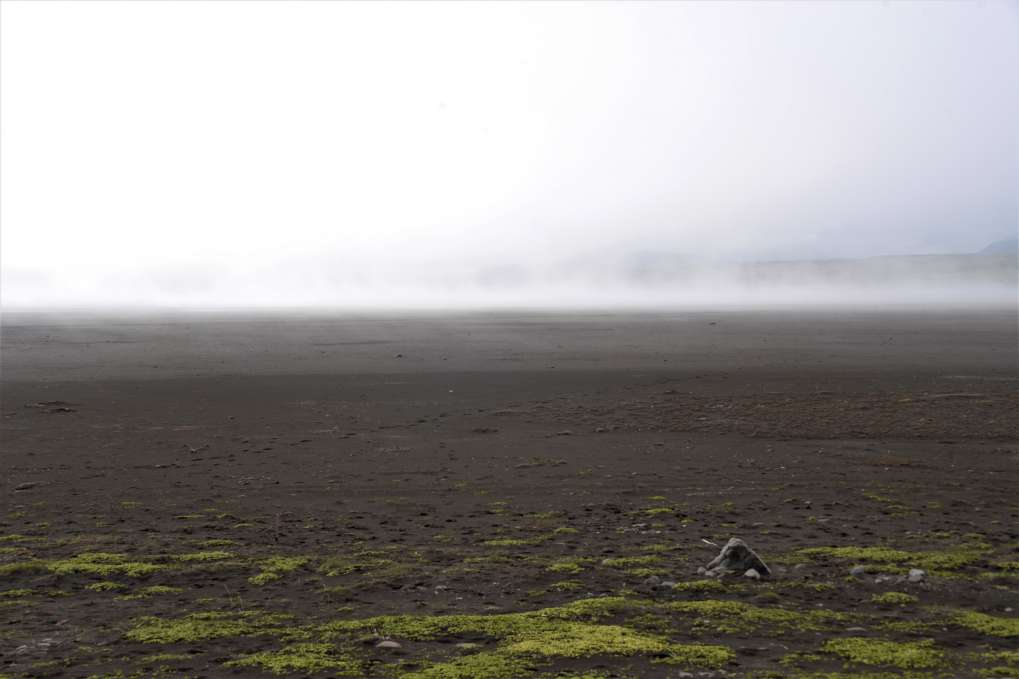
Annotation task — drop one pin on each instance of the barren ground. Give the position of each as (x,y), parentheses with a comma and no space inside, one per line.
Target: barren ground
(228,495)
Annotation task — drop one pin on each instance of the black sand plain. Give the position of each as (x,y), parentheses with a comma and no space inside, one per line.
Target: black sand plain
(509,495)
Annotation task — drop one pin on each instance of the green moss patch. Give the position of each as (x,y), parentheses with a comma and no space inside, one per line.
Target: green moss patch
(733,617)
(574,630)
(945,560)
(700,586)
(515,542)
(903,655)
(214,542)
(566,586)
(1007,657)
(103,564)
(302,658)
(16,593)
(576,640)
(488,665)
(989,625)
(893,599)
(146,592)
(698,655)
(204,556)
(203,626)
(631,561)
(570,566)
(22,568)
(105,586)
(275,567)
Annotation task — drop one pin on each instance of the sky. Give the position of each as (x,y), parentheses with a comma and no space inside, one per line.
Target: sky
(202,153)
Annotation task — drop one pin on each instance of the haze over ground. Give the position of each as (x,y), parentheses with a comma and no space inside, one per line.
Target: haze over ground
(472,155)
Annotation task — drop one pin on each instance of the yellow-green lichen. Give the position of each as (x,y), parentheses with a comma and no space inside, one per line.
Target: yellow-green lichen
(730,617)
(16,593)
(304,659)
(566,566)
(988,625)
(166,657)
(146,592)
(698,655)
(576,640)
(17,537)
(204,556)
(945,560)
(566,586)
(893,599)
(492,665)
(206,625)
(22,567)
(215,542)
(1007,657)
(275,567)
(496,626)
(646,572)
(901,654)
(631,561)
(103,564)
(104,586)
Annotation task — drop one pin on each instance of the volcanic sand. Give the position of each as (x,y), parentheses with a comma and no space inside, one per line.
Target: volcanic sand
(229,494)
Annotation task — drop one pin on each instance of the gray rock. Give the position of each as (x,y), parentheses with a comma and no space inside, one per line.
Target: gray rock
(737,557)
(653,581)
(388,643)
(701,570)
(917,574)
(672,583)
(858,571)
(752,574)
(882,579)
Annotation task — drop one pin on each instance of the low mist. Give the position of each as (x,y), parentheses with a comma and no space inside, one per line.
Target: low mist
(493,155)
(643,280)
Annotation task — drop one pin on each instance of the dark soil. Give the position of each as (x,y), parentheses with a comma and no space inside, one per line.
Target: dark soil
(433,466)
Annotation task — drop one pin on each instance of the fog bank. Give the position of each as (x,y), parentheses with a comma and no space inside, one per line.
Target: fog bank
(643,280)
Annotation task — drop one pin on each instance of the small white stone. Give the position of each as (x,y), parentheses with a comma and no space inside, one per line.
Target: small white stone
(388,643)
(752,574)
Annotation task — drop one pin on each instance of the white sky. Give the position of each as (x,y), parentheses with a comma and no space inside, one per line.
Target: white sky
(203,151)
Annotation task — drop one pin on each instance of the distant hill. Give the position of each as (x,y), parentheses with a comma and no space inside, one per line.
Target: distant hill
(997,265)
(1002,247)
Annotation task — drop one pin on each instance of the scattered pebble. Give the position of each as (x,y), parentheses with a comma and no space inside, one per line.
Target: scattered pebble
(917,575)
(387,643)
